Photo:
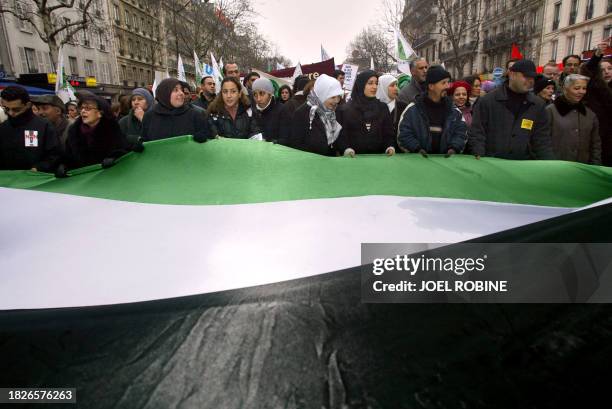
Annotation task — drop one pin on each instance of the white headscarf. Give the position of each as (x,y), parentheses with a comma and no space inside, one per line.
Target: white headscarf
(325,87)
(382,93)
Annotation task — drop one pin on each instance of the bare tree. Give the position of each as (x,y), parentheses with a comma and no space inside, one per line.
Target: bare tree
(459,22)
(371,42)
(44,18)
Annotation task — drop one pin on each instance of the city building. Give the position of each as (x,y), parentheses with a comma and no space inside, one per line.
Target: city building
(574,27)
(421,25)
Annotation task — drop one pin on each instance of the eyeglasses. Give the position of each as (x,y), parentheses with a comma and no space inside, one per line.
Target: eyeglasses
(87,108)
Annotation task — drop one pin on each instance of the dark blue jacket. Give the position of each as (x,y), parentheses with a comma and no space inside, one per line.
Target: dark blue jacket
(413,134)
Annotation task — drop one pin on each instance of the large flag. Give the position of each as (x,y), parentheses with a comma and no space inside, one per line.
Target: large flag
(180,70)
(63,89)
(297,72)
(199,73)
(199,275)
(516,53)
(217,74)
(324,55)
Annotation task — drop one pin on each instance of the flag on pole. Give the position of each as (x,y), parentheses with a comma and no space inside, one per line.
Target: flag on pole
(516,53)
(297,72)
(199,73)
(181,70)
(217,75)
(63,89)
(324,55)
(221,64)
(372,63)
(403,50)
(280,66)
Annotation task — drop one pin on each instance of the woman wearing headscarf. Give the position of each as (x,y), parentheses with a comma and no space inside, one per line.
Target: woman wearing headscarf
(574,127)
(367,126)
(284,93)
(230,114)
(460,91)
(72,111)
(387,93)
(170,116)
(314,126)
(267,109)
(95,137)
(131,124)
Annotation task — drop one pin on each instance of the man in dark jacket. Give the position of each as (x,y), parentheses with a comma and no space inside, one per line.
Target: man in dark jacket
(53,110)
(510,122)
(172,117)
(27,142)
(289,108)
(432,124)
(207,93)
(417,86)
(267,109)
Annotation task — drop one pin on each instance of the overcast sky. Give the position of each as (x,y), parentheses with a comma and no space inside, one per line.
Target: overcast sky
(299,28)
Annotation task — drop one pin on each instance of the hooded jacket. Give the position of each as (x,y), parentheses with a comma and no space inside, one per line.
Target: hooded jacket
(27,142)
(166,121)
(367,126)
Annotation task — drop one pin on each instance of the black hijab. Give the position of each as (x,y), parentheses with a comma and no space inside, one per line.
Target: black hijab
(369,106)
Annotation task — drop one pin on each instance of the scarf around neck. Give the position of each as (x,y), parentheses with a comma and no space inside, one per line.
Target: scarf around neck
(327,116)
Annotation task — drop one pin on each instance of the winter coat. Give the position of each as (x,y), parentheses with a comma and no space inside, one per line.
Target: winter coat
(243,127)
(268,120)
(131,127)
(162,122)
(599,99)
(356,135)
(496,132)
(286,117)
(201,102)
(61,130)
(309,137)
(106,141)
(409,93)
(414,133)
(575,132)
(27,142)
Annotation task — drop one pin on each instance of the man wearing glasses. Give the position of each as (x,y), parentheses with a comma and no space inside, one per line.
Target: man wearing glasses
(26,140)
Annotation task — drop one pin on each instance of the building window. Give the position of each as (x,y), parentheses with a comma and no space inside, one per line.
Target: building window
(30,65)
(607,31)
(124,73)
(74,66)
(571,41)
(554,46)
(116,13)
(609,8)
(589,10)
(573,12)
(586,45)
(557,16)
(90,71)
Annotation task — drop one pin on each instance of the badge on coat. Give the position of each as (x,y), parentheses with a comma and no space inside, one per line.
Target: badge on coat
(31,139)
(527,124)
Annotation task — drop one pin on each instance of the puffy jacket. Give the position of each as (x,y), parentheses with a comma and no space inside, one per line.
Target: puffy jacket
(243,127)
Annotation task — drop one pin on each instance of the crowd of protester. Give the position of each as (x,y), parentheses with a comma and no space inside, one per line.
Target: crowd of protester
(553,115)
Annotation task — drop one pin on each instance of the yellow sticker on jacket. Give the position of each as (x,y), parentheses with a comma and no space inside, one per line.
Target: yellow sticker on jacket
(527,124)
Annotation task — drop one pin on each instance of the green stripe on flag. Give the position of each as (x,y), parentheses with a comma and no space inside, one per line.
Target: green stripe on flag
(230,171)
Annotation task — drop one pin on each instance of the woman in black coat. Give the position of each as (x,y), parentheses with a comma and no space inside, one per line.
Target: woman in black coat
(173,116)
(367,126)
(314,127)
(95,137)
(267,109)
(230,114)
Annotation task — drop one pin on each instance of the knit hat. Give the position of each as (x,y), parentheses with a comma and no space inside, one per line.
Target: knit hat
(146,95)
(164,91)
(540,83)
(263,84)
(459,84)
(436,73)
(326,87)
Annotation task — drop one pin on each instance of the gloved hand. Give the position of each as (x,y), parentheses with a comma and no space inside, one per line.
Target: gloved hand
(138,146)
(390,151)
(349,152)
(450,153)
(200,138)
(60,172)
(108,162)
(423,152)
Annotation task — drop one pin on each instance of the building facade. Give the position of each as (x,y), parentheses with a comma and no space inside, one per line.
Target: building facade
(420,23)
(574,27)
